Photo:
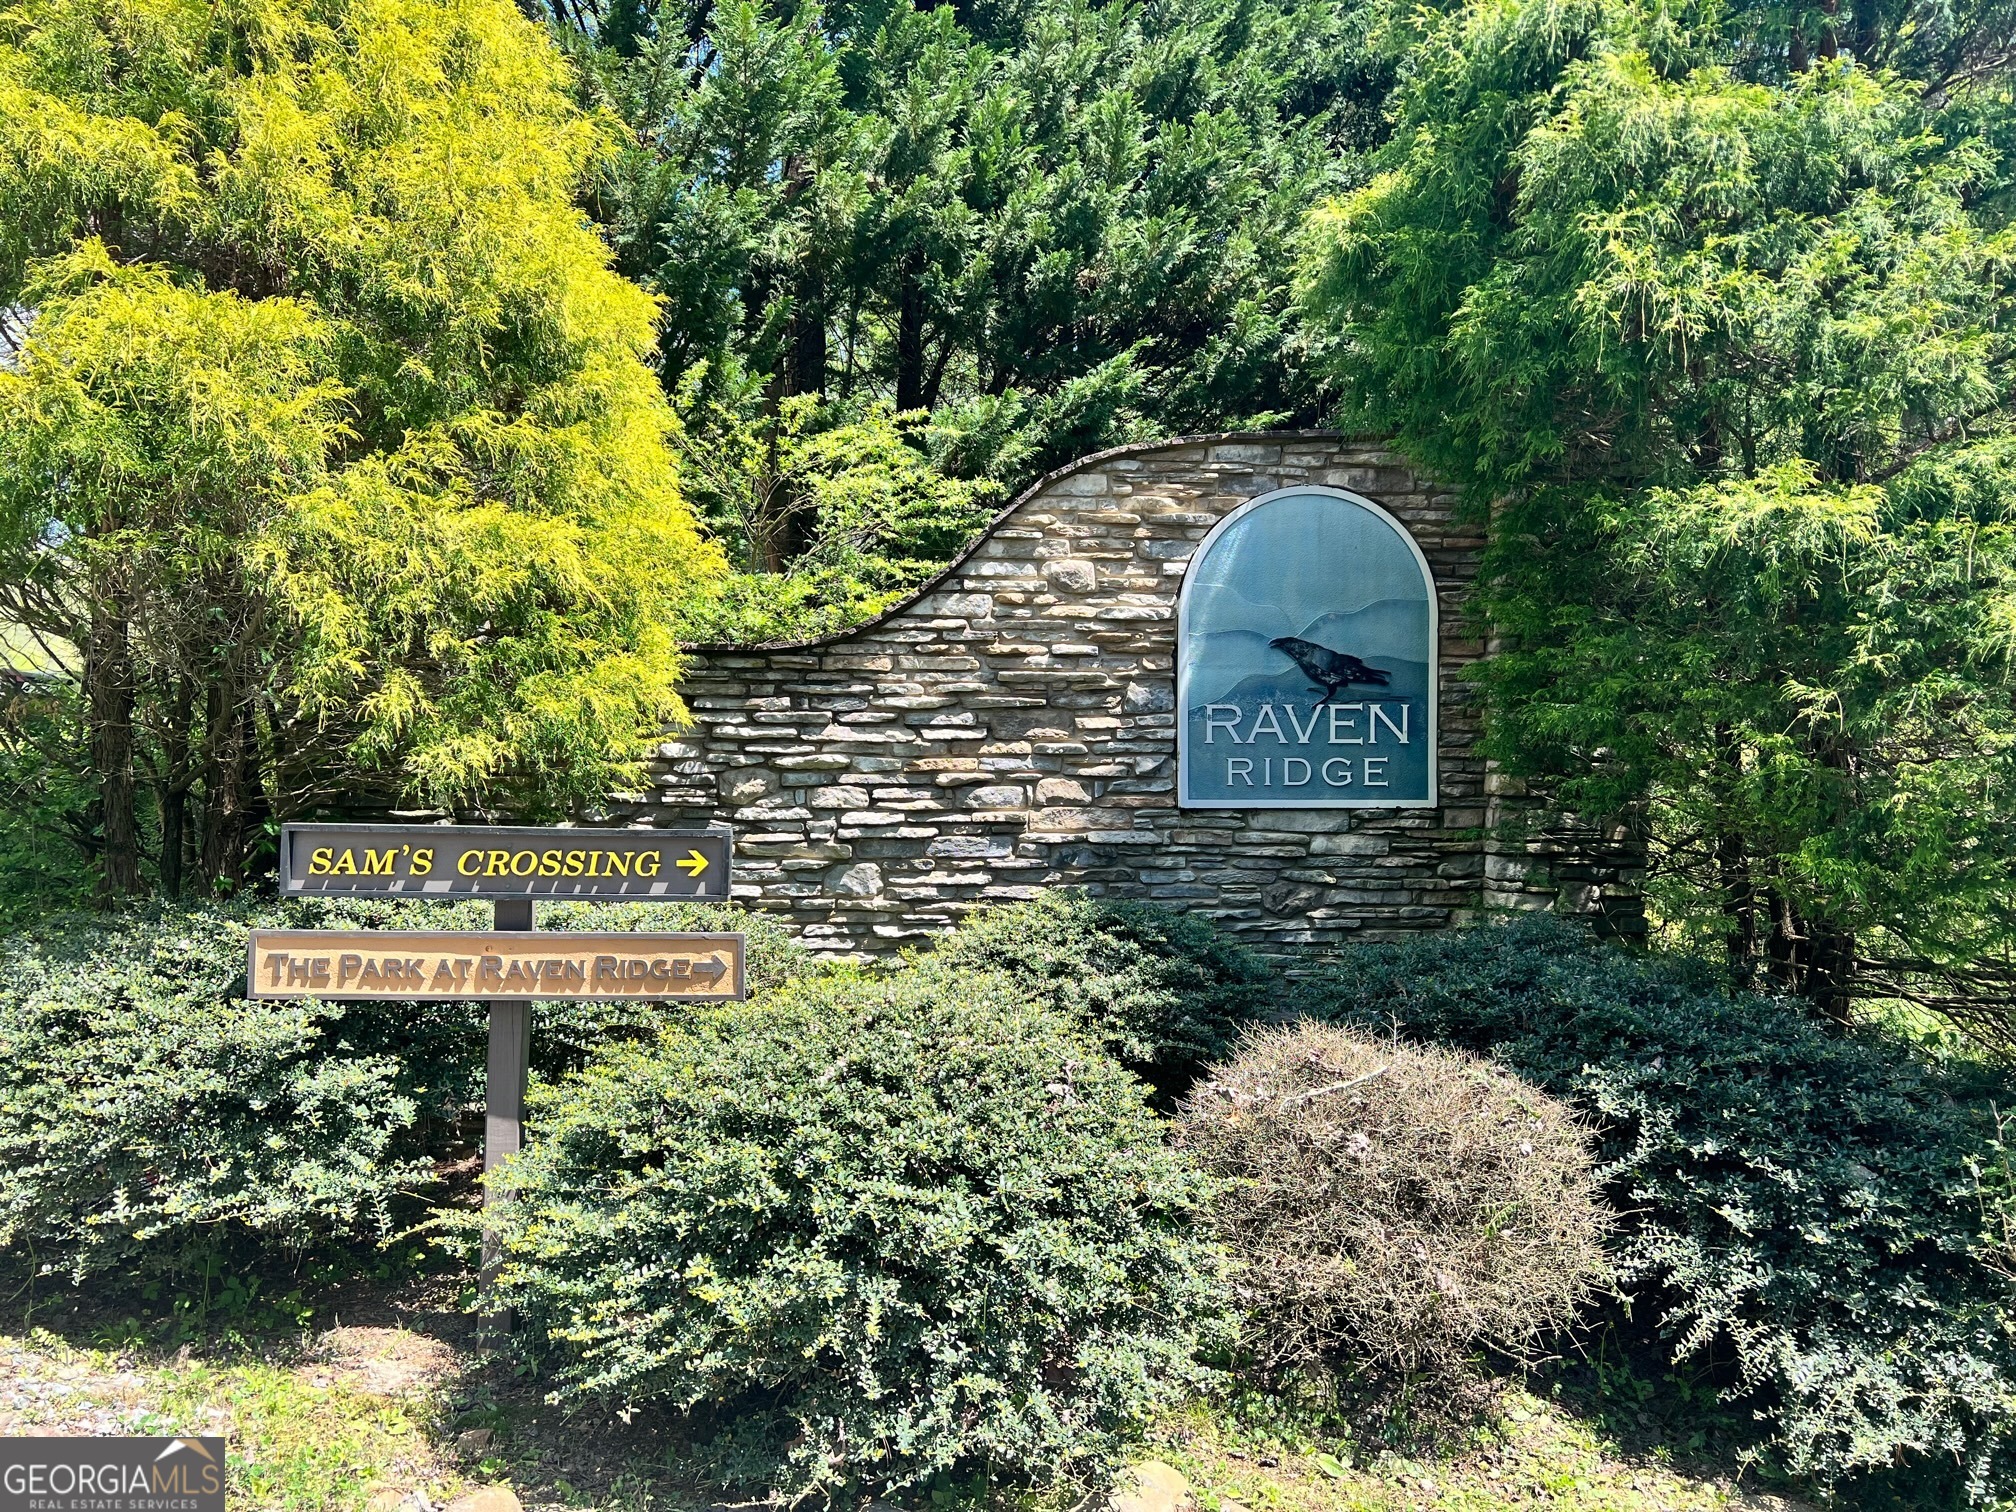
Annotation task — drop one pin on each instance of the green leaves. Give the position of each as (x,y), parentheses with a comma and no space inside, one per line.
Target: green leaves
(1727,356)
(1806,1205)
(149,1115)
(894,1224)
(333,447)
(850,503)
(968,212)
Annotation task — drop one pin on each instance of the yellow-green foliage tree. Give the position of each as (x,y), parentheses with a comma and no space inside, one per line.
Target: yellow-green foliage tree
(332,466)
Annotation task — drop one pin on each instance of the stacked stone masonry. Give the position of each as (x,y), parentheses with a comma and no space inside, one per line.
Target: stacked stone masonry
(1013,727)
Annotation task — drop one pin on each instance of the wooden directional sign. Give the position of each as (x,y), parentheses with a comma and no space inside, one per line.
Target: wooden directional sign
(526,966)
(480,861)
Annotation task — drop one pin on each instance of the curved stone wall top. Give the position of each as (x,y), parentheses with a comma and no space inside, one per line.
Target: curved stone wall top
(1011,727)
(1043,486)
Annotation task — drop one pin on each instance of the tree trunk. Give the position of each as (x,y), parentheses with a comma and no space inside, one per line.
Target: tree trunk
(172,795)
(802,371)
(805,355)
(1812,959)
(174,821)
(766,522)
(1739,907)
(108,700)
(226,799)
(1734,878)
(910,375)
(805,367)
(1830,976)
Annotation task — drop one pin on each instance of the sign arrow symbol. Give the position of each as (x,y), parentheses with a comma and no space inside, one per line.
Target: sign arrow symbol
(694,863)
(713,968)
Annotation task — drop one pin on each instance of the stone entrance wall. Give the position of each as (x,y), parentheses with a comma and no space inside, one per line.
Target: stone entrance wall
(1012,727)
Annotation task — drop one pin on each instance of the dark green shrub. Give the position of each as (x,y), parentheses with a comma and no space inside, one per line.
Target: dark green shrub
(910,1220)
(1803,1200)
(1392,1206)
(149,1111)
(1165,992)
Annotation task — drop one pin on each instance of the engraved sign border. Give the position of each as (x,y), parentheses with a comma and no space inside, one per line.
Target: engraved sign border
(712,888)
(516,942)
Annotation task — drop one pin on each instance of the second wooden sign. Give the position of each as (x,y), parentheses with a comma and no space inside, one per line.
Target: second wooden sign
(548,965)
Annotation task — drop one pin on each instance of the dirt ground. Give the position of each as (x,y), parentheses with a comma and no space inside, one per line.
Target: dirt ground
(401,1404)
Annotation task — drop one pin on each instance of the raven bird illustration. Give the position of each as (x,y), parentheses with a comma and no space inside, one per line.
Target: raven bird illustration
(1331,671)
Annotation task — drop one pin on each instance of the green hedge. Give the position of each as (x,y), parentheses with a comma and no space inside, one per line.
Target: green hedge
(146,1109)
(1165,992)
(911,1220)
(150,1113)
(1801,1199)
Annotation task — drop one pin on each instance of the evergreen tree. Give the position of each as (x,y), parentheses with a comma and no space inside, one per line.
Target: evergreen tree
(1046,225)
(332,465)
(1719,331)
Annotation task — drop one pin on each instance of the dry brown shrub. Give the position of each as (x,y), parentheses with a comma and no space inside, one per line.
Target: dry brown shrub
(1391,1204)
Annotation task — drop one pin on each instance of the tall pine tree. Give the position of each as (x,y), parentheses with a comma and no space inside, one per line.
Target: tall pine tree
(1046,225)
(1716,325)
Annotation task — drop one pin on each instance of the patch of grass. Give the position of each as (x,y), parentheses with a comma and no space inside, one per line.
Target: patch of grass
(1535,1456)
(298,1440)
(298,1445)
(317,1427)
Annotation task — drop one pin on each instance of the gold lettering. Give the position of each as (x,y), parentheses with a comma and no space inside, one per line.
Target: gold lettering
(498,864)
(575,861)
(619,864)
(318,864)
(530,864)
(467,862)
(656,860)
(423,861)
(379,863)
(346,865)
(549,863)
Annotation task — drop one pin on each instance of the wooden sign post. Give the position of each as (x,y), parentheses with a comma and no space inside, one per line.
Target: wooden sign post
(510,966)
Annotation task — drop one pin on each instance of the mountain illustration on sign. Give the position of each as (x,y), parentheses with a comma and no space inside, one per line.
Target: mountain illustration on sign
(1332,671)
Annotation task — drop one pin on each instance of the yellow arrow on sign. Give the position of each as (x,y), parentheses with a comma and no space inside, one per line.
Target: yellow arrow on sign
(695,863)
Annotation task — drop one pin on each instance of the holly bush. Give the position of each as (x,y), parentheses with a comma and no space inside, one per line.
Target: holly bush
(1804,1201)
(904,1222)
(1165,992)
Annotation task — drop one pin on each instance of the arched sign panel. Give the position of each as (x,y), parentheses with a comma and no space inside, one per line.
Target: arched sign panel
(1306,667)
